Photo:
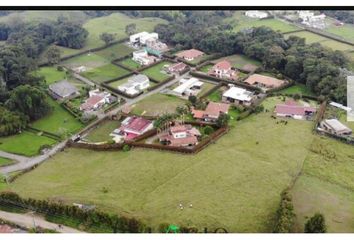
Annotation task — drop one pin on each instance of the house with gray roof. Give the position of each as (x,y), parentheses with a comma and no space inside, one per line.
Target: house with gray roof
(135,85)
(335,127)
(63,90)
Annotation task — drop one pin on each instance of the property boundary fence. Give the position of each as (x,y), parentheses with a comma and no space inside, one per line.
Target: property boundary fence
(45,133)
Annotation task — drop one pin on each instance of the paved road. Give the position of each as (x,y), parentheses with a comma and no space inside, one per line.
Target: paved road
(29,221)
(27,162)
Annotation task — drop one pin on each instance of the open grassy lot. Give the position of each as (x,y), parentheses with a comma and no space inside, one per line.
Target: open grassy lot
(105,73)
(90,60)
(26,143)
(156,72)
(234,183)
(157,104)
(130,63)
(51,74)
(326,185)
(205,88)
(5,161)
(59,121)
(346,31)
(206,68)
(115,51)
(101,133)
(240,21)
(216,95)
(119,82)
(239,61)
(297,89)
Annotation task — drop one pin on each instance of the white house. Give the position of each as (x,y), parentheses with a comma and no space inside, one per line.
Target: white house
(188,87)
(142,37)
(80,69)
(96,100)
(256,14)
(238,95)
(310,19)
(135,84)
(142,57)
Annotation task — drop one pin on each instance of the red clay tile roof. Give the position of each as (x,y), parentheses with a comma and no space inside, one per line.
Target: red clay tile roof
(91,101)
(269,82)
(197,113)
(177,67)
(214,108)
(183,141)
(224,65)
(137,124)
(191,53)
(293,109)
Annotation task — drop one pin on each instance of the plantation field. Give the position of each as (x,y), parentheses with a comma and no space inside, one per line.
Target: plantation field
(157,104)
(104,73)
(240,21)
(51,74)
(240,61)
(297,89)
(90,61)
(25,143)
(246,183)
(59,121)
(156,72)
(327,185)
(101,133)
(5,161)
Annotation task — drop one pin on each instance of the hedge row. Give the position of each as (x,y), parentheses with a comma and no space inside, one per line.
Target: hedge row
(285,216)
(45,133)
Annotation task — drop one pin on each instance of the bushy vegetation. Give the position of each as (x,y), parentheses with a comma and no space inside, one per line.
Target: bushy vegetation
(316,224)
(285,214)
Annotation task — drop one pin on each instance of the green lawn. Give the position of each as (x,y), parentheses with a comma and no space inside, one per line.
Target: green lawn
(215,96)
(234,183)
(119,82)
(239,21)
(104,73)
(26,143)
(59,121)
(327,185)
(130,63)
(206,68)
(239,61)
(297,89)
(101,133)
(51,74)
(115,51)
(5,161)
(157,104)
(346,31)
(156,73)
(205,88)
(91,60)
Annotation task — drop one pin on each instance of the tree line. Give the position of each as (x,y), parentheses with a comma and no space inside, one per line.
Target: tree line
(342,15)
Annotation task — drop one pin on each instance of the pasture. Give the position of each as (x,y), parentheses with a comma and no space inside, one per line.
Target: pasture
(156,72)
(104,73)
(115,51)
(231,183)
(25,143)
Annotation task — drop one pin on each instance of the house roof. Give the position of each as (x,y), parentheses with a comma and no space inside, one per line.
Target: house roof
(183,141)
(337,125)
(197,113)
(214,108)
(91,102)
(293,109)
(138,78)
(177,67)
(191,53)
(265,80)
(137,124)
(238,94)
(6,229)
(63,88)
(223,65)
(186,85)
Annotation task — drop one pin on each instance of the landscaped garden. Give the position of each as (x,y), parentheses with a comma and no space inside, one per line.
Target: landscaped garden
(104,73)
(156,72)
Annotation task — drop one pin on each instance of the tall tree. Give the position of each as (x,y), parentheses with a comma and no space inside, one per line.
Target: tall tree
(53,55)
(10,122)
(316,224)
(107,38)
(130,29)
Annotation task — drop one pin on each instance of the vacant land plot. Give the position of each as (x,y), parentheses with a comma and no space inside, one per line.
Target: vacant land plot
(51,74)
(26,143)
(104,73)
(247,178)
(90,61)
(157,104)
(101,133)
(130,63)
(298,89)
(346,31)
(5,161)
(216,95)
(115,51)
(240,21)
(156,72)
(206,68)
(327,185)
(59,121)
(240,61)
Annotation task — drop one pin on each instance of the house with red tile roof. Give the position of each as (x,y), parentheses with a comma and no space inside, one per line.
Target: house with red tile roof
(223,69)
(263,81)
(190,54)
(294,110)
(212,111)
(181,135)
(177,67)
(134,126)
(96,100)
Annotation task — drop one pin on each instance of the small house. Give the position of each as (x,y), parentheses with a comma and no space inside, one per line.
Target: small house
(143,58)
(223,69)
(335,127)
(212,112)
(96,100)
(292,109)
(63,90)
(188,87)
(155,47)
(177,67)
(142,37)
(263,81)
(134,126)
(190,54)
(238,96)
(181,135)
(135,85)
(256,14)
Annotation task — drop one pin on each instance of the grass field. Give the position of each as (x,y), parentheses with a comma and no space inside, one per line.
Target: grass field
(297,89)
(115,51)
(205,88)
(105,73)
(206,68)
(239,61)
(156,73)
(101,133)
(5,161)
(90,61)
(231,184)
(346,31)
(157,104)
(130,63)
(51,74)
(327,185)
(240,21)
(26,143)
(59,121)
(215,96)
